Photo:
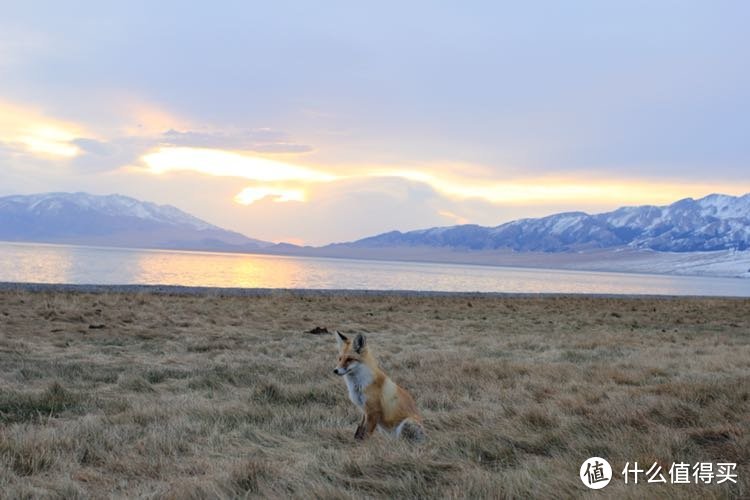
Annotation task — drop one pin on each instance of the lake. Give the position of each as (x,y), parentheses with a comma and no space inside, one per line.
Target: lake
(44,263)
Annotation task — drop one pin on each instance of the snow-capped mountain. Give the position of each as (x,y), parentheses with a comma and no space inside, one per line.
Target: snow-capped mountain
(112,220)
(716,222)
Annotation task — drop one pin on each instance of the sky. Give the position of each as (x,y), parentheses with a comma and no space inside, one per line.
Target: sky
(317,122)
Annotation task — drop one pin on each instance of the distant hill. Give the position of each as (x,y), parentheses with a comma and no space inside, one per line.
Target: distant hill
(113,220)
(709,236)
(716,222)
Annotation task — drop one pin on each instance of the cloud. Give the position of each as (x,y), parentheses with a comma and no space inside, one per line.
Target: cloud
(101,156)
(95,147)
(250,195)
(454,218)
(129,150)
(217,162)
(259,140)
(30,131)
(145,118)
(148,129)
(572,189)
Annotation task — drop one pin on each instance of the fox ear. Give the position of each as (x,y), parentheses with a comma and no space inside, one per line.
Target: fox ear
(359,343)
(340,338)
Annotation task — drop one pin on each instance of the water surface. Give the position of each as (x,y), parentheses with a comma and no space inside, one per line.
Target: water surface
(43,263)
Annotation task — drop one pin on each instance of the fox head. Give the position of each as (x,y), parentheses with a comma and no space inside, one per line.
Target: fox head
(351,353)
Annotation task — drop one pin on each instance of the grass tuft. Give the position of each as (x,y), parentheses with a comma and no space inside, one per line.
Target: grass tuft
(31,406)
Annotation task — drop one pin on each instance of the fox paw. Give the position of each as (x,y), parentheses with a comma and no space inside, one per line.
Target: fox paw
(360,432)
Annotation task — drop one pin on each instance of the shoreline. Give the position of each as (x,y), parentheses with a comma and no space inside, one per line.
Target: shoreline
(317,292)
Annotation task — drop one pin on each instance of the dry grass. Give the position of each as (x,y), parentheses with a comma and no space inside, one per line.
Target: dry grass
(202,397)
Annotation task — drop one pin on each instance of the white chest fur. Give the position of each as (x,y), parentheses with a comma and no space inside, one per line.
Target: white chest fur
(356,381)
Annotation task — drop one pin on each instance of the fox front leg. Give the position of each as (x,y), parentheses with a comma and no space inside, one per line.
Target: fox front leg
(360,432)
(367,426)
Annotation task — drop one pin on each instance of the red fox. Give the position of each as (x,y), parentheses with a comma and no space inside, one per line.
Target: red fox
(385,405)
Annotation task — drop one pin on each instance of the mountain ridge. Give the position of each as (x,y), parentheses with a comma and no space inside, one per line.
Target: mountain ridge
(712,223)
(707,236)
(112,220)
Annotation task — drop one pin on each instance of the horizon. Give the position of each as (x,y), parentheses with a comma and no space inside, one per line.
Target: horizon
(337,122)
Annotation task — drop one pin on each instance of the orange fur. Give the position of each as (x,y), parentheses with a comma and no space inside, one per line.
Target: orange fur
(384,404)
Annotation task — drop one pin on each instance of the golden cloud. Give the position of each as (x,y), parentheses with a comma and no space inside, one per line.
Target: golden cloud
(221,163)
(31,131)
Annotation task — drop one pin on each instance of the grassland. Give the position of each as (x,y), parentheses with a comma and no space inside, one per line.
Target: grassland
(166,396)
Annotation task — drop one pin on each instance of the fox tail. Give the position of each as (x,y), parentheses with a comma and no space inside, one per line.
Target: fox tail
(411,430)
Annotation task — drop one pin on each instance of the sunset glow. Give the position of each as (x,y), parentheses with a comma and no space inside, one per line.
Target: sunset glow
(228,164)
(35,133)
